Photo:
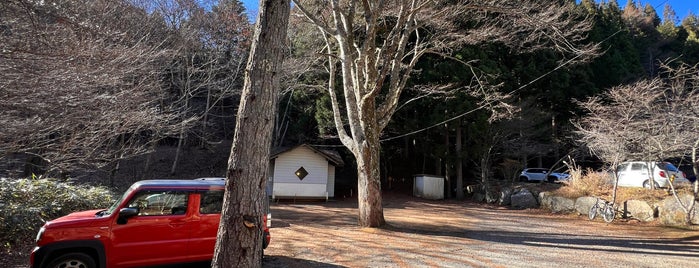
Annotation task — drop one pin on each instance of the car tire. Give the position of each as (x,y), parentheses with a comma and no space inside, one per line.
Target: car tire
(73,260)
(523,179)
(262,257)
(646,184)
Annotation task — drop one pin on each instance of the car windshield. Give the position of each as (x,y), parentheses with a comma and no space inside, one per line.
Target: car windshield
(114,206)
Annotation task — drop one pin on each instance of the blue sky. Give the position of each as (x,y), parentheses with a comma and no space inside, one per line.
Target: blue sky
(681,7)
(251,6)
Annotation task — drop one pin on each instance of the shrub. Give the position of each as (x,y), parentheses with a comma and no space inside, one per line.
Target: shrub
(588,183)
(25,204)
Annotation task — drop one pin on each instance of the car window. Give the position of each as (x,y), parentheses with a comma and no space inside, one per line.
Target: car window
(211,202)
(158,203)
(667,166)
(622,167)
(639,166)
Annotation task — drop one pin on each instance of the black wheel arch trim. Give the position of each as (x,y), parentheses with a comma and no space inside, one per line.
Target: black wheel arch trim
(43,255)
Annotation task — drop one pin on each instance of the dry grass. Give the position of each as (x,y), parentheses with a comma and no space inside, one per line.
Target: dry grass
(589,183)
(600,184)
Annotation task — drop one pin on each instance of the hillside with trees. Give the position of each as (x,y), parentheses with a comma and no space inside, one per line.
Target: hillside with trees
(115,91)
(102,93)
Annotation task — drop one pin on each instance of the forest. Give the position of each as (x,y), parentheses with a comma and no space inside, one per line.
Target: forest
(115,91)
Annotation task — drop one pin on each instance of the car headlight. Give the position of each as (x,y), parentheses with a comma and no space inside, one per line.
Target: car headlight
(40,234)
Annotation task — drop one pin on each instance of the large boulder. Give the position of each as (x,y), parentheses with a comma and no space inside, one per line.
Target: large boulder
(523,198)
(670,212)
(474,188)
(583,204)
(505,196)
(491,196)
(544,199)
(639,210)
(481,193)
(478,197)
(556,204)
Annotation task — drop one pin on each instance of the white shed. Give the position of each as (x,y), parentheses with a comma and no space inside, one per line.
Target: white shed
(428,186)
(303,171)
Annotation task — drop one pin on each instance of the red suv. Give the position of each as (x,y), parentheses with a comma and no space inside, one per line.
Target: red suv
(156,222)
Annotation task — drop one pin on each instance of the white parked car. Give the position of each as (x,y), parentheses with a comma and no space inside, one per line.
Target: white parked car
(638,174)
(539,174)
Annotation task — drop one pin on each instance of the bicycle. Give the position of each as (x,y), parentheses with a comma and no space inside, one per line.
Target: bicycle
(606,209)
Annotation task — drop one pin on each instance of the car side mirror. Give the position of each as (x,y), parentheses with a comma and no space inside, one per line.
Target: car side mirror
(125,214)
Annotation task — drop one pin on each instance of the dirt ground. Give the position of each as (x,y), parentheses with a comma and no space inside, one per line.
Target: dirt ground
(424,233)
(450,233)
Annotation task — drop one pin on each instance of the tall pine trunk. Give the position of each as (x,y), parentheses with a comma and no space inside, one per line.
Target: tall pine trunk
(239,239)
(459,165)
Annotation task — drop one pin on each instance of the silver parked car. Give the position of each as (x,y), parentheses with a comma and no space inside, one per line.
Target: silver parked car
(539,174)
(640,173)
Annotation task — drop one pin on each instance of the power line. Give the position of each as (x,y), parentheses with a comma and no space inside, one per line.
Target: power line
(487,103)
(658,5)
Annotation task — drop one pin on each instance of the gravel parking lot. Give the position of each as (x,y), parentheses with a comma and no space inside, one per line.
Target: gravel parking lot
(424,233)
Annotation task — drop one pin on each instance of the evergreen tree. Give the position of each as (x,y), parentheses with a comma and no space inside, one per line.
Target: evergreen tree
(690,51)
(668,29)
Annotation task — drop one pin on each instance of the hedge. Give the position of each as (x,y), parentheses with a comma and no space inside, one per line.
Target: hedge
(26,204)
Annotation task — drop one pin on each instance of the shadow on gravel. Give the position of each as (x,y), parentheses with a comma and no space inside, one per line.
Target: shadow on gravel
(267,262)
(681,247)
(666,247)
(466,220)
(287,262)
(277,223)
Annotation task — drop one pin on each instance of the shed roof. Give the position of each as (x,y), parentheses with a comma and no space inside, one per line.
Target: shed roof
(331,155)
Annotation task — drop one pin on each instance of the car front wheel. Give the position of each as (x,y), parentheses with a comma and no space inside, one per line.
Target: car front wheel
(646,184)
(73,260)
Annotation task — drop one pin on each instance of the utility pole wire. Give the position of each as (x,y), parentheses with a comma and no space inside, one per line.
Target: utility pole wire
(488,103)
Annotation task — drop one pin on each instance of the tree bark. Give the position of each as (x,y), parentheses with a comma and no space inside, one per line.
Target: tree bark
(368,153)
(695,184)
(178,151)
(369,185)
(459,165)
(447,180)
(246,177)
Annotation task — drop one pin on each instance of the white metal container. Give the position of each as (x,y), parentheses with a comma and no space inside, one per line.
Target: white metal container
(428,186)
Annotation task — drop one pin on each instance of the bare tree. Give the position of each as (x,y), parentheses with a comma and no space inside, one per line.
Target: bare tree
(649,120)
(80,84)
(238,243)
(227,40)
(609,139)
(209,48)
(372,48)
